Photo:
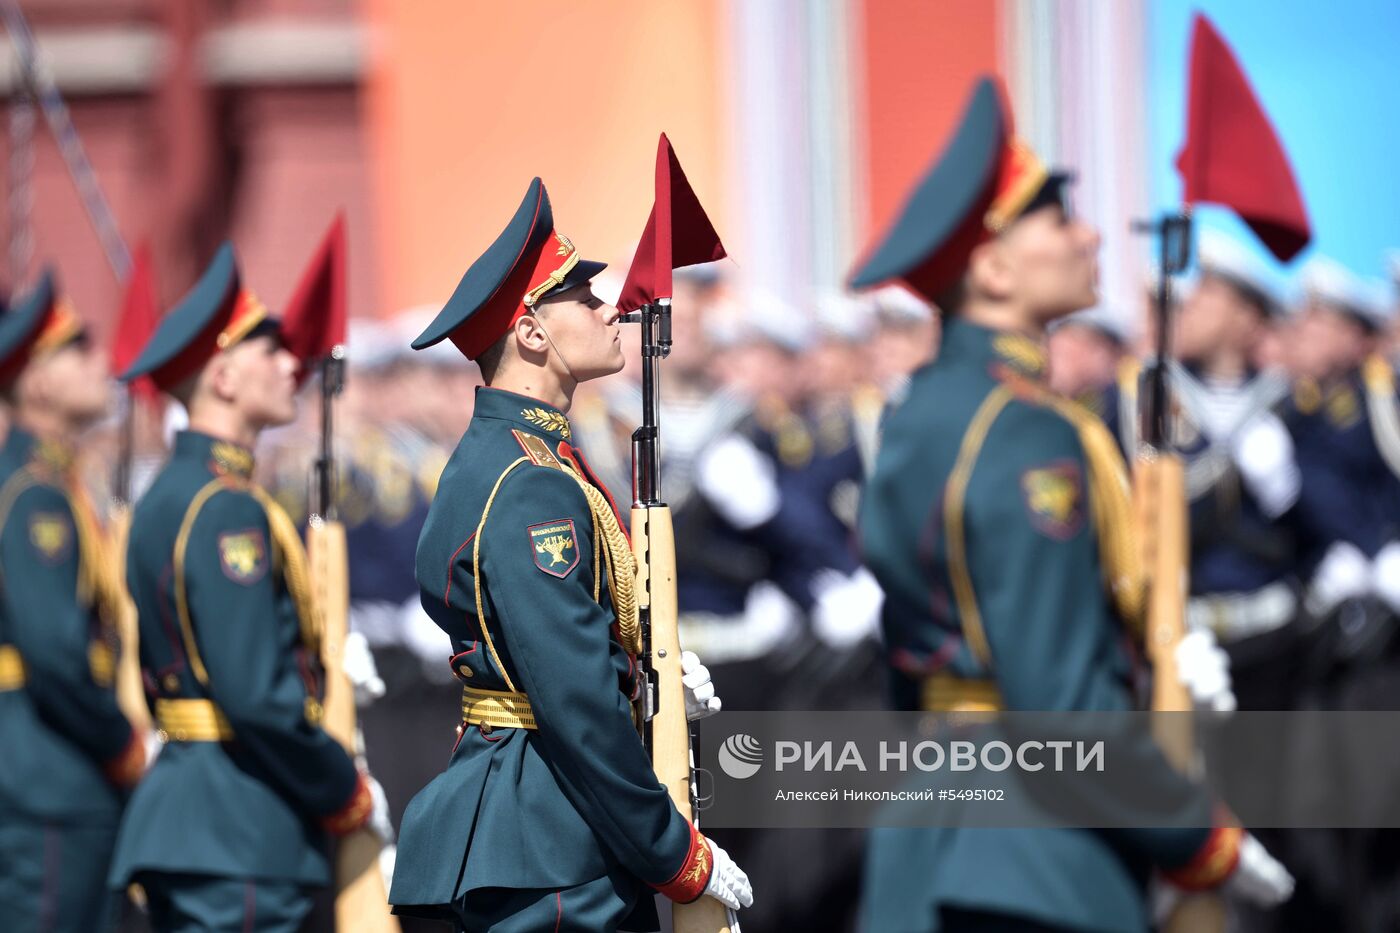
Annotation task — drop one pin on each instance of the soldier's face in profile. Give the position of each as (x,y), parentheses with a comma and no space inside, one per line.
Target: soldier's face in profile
(74,382)
(1214,316)
(1082,358)
(584,330)
(1050,263)
(1337,339)
(260,379)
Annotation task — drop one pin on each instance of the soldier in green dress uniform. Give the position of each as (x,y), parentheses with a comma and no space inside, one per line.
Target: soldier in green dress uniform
(70,755)
(230,828)
(548,816)
(997,523)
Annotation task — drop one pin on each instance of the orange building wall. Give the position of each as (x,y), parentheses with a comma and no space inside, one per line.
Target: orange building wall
(466,102)
(921,58)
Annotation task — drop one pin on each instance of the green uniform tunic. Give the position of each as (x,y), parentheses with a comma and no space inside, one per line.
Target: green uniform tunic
(563,806)
(68,746)
(247,797)
(988,525)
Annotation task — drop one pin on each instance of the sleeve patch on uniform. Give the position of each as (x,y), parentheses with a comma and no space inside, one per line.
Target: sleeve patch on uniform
(1053,497)
(243,555)
(554,547)
(51,533)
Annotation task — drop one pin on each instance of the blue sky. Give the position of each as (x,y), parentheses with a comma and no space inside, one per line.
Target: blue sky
(1328,74)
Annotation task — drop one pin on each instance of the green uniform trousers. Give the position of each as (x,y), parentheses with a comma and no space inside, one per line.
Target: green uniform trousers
(953,920)
(596,906)
(181,903)
(53,877)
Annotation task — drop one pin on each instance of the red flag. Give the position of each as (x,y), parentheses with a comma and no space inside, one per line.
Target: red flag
(678,234)
(1232,155)
(315,318)
(136,321)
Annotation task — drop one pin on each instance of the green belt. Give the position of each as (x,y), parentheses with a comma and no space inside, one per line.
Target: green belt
(502,709)
(11,669)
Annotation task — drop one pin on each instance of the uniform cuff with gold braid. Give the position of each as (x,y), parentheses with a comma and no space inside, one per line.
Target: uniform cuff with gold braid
(1213,863)
(127,767)
(689,883)
(354,814)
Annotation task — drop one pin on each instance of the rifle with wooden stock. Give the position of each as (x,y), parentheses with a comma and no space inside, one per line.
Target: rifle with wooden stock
(131,691)
(135,323)
(678,233)
(1159,498)
(361,902)
(666,728)
(313,329)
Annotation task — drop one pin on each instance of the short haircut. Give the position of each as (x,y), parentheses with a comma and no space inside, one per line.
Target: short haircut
(490,359)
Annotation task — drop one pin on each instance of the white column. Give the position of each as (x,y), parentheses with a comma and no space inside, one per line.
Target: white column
(1077,77)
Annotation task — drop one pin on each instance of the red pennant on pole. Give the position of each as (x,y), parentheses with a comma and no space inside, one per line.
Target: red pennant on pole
(678,234)
(315,318)
(1232,154)
(137,320)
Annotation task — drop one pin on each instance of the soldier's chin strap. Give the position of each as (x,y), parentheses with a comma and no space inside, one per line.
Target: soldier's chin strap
(562,358)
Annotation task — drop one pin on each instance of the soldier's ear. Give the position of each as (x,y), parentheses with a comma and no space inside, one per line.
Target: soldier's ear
(989,271)
(31,386)
(221,378)
(531,340)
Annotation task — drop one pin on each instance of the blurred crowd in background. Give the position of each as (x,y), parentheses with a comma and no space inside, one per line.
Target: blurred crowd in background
(770,420)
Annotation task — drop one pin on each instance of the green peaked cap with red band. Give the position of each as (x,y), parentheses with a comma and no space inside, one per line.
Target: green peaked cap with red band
(981,182)
(527,262)
(214,315)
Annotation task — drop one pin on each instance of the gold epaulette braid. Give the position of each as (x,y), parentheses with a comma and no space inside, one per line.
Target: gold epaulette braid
(620,563)
(608,541)
(291,555)
(98,582)
(1110,498)
(290,559)
(608,537)
(12,672)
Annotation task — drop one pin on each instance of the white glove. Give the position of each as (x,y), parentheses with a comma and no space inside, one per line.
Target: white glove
(1259,878)
(1204,670)
(379,822)
(420,634)
(700,699)
(358,664)
(388,855)
(1385,579)
(1263,452)
(1343,574)
(153,747)
(847,609)
(728,883)
(739,482)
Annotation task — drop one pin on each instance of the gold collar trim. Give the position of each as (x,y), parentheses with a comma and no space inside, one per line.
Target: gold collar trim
(230,458)
(547,420)
(53,456)
(1024,354)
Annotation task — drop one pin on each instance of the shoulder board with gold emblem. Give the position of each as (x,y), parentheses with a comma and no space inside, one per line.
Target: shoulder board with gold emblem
(536,449)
